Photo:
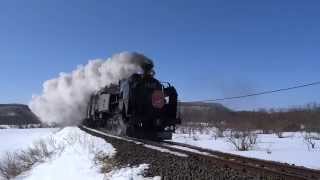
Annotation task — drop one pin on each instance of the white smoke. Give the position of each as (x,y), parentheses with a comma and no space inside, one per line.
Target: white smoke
(64,99)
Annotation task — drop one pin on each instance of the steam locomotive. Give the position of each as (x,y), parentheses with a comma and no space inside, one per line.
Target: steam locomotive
(139,106)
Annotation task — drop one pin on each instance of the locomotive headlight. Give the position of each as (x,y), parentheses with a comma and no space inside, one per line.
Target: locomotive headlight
(172,128)
(167,99)
(166,128)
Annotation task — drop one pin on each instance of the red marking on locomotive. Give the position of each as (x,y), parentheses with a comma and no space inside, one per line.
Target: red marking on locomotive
(158,99)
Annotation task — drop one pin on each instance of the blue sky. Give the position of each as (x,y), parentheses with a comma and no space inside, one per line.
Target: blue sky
(207,49)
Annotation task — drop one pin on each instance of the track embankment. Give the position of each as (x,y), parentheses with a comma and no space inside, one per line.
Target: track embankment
(179,161)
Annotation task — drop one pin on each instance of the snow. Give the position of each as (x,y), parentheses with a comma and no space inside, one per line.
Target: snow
(15,139)
(129,173)
(191,150)
(74,161)
(110,135)
(165,150)
(291,149)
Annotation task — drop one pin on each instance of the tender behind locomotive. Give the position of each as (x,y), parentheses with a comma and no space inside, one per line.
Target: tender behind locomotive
(139,106)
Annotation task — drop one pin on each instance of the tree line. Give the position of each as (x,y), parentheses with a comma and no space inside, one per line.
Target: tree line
(269,121)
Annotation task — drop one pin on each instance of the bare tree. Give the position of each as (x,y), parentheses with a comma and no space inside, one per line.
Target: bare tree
(310,139)
(13,164)
(279,133)
(10,166)
(221,127)
(242,140)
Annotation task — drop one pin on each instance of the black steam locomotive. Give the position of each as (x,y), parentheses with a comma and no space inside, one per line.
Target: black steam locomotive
(139,106)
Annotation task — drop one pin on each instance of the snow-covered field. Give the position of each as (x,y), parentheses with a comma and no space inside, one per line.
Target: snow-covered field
(74,161)
(15,139)
(291,149)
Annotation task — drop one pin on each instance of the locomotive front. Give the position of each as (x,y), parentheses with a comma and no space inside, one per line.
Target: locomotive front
(149,106)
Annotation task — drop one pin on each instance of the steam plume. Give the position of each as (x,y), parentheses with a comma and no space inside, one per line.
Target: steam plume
(64,99)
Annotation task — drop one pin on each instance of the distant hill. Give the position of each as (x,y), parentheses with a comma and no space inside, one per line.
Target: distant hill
(17,114)
(199,112)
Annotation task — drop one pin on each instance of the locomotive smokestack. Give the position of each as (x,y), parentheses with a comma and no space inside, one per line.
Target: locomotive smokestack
(147,67)
(64,99)
(145,63)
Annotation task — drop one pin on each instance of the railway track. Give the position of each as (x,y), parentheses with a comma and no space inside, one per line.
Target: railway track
(293,170)
(246,168)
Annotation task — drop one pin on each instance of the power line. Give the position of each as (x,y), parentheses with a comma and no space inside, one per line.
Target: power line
(263,92)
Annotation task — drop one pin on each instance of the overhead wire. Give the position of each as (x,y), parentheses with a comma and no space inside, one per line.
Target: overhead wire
(262,92)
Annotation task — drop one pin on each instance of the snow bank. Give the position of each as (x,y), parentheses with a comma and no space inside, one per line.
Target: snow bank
(291,149)
(76,161)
